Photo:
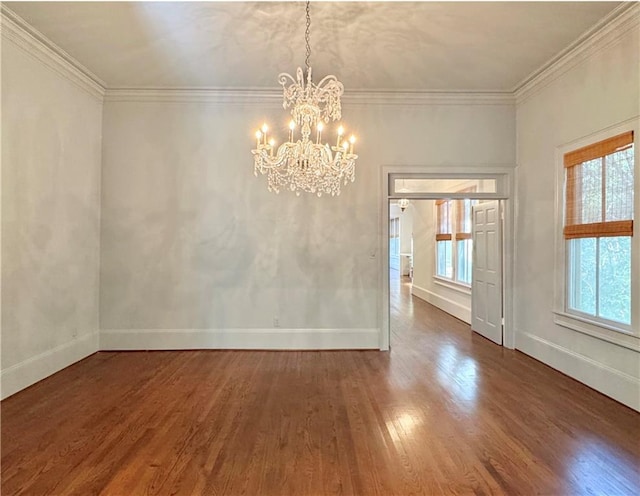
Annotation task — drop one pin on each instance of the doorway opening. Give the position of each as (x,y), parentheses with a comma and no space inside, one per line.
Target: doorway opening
(447,253)
(447,240)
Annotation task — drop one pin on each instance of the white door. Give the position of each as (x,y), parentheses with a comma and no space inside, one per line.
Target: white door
(486,285)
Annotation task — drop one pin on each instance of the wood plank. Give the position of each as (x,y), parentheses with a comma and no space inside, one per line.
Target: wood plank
(445,412)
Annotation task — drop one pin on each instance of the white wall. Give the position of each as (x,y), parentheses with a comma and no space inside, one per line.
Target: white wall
(406,234)
(596,93)
(402,261)
(196,252)
(51,141)
(406,229)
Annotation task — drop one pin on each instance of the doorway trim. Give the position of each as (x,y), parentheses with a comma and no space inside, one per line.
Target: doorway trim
(504,175)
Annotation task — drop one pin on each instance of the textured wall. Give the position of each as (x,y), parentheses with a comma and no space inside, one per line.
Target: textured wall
(600,92)
(51,141)
(191,240)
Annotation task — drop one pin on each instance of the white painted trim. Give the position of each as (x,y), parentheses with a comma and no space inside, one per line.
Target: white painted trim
(570,321)
(456,309)
(195,95)
(598,330)
(461,288)
(26,37)
(505,175)
(510,261)
(607,31)
(34,369)
(610,29)
(428,97)
(611,382)
(384,300)
(261,95)
(1,155)
(239,339)
(449,196)
(462,172)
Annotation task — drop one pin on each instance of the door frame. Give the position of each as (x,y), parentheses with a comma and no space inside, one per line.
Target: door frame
(505,180)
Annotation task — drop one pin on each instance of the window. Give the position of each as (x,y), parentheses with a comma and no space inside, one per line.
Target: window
(454,246)
(598,226)
(464,244)
(444,259)
(394,236)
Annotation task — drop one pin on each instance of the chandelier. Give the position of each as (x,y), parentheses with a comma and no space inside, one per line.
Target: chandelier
(403,203)
(304,164)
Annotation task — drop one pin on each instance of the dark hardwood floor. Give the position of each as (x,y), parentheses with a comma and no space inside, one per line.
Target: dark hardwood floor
(445,412)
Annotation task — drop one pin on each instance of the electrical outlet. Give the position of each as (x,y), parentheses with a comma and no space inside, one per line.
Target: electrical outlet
(276,322)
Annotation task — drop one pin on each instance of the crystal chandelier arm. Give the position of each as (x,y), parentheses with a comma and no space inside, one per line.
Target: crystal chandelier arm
(328,93)
(285,78)
(265,161)
(295,92)
(326,81)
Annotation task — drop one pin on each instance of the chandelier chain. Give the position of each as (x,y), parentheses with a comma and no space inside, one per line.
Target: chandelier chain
(304,164)
(306,37)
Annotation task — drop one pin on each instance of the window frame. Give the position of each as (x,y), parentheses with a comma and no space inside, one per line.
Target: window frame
(445,237)
(627,336)
(461,236)
(452,282)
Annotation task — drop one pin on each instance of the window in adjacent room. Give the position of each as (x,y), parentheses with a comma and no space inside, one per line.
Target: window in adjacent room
(464,243)
(454,246)
(394,236)
(598,229)
(444,239)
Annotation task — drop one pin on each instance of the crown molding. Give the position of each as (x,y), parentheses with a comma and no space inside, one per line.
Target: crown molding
(26,37)
(365,97)
(263,96)
(609,30)
(194,95)
(606,32)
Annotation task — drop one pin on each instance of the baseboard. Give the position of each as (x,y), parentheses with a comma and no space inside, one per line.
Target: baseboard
(34,369)
(239,339)
(611,382)
(451,307)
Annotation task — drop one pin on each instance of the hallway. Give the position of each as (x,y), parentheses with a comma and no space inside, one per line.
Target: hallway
(444,412)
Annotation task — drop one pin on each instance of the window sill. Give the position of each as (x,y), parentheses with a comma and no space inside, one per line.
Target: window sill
(606,332)
(451,284)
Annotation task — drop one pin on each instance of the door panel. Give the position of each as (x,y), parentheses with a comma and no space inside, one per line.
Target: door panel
(486,286)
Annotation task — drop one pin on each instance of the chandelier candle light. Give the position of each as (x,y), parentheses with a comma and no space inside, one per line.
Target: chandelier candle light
(305,165)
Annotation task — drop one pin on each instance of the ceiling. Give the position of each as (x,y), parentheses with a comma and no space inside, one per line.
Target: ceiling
(450,46)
